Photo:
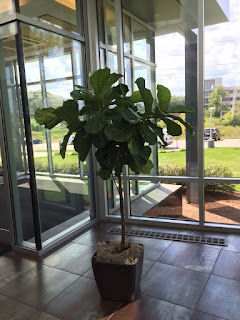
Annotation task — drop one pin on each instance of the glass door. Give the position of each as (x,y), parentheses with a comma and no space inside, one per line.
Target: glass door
(4,221)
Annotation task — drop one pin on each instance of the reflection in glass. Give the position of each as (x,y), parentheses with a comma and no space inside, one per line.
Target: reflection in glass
(143,42)
(102,58)
(128,73)
(110,25)
(112,62)
(127,35)
(60,13)
(101,18)
(16,141)
(64,186)
(6,7)
(144,71)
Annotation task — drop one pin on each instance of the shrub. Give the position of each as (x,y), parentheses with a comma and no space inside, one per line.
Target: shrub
(210,171)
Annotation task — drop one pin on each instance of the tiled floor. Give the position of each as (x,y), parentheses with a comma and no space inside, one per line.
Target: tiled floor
(180,281)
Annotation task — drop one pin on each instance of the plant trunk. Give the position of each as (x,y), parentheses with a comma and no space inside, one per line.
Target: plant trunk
(120,190)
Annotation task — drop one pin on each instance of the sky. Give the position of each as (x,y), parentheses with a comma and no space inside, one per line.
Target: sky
(222,54)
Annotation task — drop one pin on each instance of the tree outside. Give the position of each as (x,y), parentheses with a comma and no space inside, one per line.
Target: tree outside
(215,101)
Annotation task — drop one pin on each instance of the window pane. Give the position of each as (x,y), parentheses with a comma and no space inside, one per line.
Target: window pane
(143,42)
(64,186)
(15,139)
(222,92)
(127,35)
(110,24)
(112,62)
(222,203)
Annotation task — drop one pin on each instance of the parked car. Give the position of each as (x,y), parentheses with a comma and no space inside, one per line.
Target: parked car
(36,141)
(215,134)
(167,138)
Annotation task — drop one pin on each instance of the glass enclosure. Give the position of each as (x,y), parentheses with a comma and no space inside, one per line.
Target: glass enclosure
(50,48)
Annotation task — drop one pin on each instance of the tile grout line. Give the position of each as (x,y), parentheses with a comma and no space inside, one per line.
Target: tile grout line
(207,281)
(179,305)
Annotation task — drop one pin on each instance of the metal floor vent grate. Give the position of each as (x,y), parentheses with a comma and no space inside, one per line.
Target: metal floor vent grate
(172,236)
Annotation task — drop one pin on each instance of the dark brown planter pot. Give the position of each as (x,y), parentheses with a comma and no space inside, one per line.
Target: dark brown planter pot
(118,282)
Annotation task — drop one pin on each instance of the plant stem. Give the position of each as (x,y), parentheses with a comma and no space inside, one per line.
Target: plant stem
(120,191)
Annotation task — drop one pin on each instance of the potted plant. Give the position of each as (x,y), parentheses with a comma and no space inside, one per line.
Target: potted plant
(121,128)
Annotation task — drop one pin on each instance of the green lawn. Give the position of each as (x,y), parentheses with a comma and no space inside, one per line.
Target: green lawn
(228,157)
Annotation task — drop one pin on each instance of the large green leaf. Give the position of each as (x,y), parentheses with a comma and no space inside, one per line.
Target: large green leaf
(82,144)
(47,117)
(146,168)
(180,109)
(69,112)
(102,80)
(164,97)
(87,97)
(158,131)
(136,97)
(142,158)
(173,128)
(186,124)
(99,140)
(96,123)
(104,174)
(64,144)
(146,96)
(148,135)
(129,115)
(134,144)
(119,131)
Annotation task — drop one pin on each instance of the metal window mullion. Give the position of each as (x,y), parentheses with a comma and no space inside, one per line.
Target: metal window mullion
(27,124)
(93,63)
(120,59)
(200,70)
(17,88)
(45,105)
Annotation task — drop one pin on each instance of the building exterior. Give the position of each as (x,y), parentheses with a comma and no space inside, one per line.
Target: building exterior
(233,97)
(48,47)
(209,86)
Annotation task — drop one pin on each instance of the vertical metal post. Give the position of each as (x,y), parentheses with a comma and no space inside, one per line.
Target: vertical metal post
(26,115)
(45,105)
(201,110)
(120,59)
(93,63)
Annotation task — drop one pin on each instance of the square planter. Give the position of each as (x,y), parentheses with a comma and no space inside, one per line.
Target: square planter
(118,282)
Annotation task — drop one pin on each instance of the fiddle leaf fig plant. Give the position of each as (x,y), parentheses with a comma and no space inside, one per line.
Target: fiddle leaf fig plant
(121,128)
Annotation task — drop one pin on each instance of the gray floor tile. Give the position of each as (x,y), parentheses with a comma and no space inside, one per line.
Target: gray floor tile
(190,256)
(221,298)
(75,258)
(13,310)
(40,285)
(81,301)
(228,265)
(144,308)
(173,284)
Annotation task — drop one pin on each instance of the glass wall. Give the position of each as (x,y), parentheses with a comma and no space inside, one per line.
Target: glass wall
(53,65)
(13,124)
(222,112)
(162,48)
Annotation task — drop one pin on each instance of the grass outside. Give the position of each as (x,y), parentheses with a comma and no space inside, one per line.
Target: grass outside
(226,156)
